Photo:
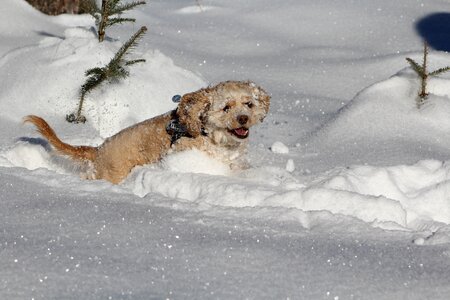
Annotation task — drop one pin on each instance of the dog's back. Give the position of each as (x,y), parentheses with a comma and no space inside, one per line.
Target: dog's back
(140,144)
(143,143)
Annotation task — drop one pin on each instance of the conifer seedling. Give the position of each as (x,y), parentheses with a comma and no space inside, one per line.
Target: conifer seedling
(116,69)
(199,5)
(423,74)
(109,14)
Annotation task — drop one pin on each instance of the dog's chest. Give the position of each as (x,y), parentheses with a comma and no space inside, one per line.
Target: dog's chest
(227,155)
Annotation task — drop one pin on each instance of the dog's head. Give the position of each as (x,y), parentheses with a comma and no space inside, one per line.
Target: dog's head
(225,111)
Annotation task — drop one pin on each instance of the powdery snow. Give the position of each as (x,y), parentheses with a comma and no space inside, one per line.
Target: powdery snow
(279,147)
(347,195)
(107,108)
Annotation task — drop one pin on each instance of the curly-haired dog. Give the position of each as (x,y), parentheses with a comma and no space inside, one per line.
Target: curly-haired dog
(215,120)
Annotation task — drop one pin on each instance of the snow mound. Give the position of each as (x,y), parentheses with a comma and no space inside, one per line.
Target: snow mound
(36,153)
(146,93)
(194,161)
(267,188)
(421,189)
(406,197)
(387,111)
(27,155)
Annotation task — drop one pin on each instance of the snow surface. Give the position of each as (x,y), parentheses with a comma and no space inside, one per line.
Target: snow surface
(279,147)
(347,196)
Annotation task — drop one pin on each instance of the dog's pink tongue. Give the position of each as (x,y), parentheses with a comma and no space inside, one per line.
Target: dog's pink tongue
(241,131)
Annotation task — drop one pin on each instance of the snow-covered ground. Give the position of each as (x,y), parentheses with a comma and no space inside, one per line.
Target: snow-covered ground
(348,196)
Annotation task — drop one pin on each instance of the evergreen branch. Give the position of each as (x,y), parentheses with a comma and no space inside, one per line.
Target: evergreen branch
(92,82)
(114,69)
(121,8)
(130,44)
(439,71)
(98,18)
(120,72)
(110,8)
(416,67)
(134,61)
(199,5)
(95,71)
(424,74)
(114,21)
(112,4)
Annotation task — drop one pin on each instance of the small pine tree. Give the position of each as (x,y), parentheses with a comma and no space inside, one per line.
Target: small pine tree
(114,70)
(103,16)
(423,73)
(199,5)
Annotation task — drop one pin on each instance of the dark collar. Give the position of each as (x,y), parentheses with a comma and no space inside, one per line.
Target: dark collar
(175,129)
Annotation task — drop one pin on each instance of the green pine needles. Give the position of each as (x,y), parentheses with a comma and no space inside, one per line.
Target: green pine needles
(423,74)
(109,14)
(116,69)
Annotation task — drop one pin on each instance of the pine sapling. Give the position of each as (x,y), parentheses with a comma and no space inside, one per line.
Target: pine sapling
(199,5)
(116,69)
(423,74)
(109,14)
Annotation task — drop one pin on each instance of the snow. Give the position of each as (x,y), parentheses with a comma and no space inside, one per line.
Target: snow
(194,161)
(346,196)
(78,50)
(290,165)
(279,147)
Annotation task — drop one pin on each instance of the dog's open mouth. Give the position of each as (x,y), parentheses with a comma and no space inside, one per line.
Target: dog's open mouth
(241,132)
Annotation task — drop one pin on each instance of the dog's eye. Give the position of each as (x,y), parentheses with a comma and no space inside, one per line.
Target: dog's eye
(249,104)
(226,108)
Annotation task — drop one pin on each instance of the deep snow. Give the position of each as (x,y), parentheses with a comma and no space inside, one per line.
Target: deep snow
(347,196)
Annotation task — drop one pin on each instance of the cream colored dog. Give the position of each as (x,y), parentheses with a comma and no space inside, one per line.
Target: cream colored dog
(215,120)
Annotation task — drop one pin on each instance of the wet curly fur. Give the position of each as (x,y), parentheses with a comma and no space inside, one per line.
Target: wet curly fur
(217,120)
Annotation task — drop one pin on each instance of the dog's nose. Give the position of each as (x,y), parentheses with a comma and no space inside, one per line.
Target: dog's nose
(242,119)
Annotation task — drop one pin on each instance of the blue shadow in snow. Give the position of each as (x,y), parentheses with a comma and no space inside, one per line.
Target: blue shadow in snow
(36,141)
(435,29)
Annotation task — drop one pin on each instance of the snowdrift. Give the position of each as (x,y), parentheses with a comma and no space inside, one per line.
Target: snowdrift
(402,197)
(332,217)
(387,112)
(64,60)
(398,197)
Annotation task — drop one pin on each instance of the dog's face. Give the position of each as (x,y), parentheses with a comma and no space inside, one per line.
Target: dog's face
(224,112)
(235,107)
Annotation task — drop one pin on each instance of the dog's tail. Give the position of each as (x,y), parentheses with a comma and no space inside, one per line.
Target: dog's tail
(75,152)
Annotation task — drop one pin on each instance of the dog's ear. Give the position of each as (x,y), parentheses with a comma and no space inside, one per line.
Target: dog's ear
(191,111)
(262,98)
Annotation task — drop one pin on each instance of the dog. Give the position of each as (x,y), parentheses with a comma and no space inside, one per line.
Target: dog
(215,120)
